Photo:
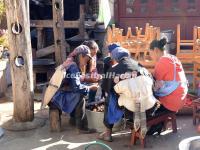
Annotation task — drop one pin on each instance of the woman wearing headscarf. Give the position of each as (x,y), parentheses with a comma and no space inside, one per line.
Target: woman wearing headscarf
(91,74)
(94,48)
(70,96)
(108,61)
(123,65)
(171,83)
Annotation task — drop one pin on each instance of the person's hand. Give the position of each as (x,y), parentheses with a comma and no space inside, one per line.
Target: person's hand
(82,78)
(94,87)
(158,85)
(95,76)
(158,104)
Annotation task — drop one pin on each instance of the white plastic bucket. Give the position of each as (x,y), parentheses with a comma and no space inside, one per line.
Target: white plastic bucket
(95,121)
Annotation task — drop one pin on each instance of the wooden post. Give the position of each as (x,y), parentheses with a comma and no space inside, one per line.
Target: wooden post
(82,21)
(20,59)
(58,28)
(54,120)
(195,36)
(27,3)
(87,6)
(178,36)
(40,38)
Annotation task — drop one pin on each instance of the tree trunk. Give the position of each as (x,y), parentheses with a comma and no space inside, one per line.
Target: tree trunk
(58,27)
(21,72)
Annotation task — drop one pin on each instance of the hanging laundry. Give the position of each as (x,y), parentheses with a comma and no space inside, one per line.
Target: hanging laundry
(104,12)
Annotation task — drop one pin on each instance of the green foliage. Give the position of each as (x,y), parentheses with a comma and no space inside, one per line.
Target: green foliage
(3,36)
(4,40)
(2,9)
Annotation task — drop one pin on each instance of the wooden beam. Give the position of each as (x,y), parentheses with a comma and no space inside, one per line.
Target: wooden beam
(67,24)
(58,28)
(49,24)
(45,51)
(20,47)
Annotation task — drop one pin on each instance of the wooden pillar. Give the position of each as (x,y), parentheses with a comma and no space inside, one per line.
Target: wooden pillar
(178,36)
(27,3)
(58,28)
(20,59)
(82,21)
(87,6)
(40,38)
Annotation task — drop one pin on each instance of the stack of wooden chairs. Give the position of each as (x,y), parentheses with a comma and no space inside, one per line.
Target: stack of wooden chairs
(186,48)
(188,51)
(137,44)
(197,58)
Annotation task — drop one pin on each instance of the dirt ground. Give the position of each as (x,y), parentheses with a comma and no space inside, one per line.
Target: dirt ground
(42,139)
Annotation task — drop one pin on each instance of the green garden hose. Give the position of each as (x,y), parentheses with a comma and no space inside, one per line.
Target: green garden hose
(100,144)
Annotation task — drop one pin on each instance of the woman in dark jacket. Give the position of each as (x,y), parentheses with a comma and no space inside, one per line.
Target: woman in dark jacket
(70,97)
(124,64)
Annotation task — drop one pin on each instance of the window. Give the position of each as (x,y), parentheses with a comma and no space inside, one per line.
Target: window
(144,1)
(129,10)
(175,6)
(130,2)
(191,6)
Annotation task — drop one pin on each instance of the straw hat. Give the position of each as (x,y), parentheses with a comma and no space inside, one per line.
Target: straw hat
(54,85)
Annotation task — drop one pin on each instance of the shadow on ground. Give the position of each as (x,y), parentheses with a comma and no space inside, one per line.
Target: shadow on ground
(42,139)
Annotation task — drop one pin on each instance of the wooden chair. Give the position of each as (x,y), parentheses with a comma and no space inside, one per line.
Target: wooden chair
(151,34)
(169,117)
(183,54)
(186,56)
(196,110)
(138,44)
(109,36)
(196,73)
(197,43)
(129,34)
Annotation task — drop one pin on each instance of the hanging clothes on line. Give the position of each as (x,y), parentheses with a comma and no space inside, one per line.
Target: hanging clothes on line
(104,12)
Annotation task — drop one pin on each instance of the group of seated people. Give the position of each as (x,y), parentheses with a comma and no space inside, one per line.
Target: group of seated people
(129,89)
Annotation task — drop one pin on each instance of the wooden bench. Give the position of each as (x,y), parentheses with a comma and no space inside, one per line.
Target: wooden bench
(163,118)
(54,118)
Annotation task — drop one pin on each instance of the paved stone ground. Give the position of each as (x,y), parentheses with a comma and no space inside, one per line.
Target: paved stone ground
(42,139)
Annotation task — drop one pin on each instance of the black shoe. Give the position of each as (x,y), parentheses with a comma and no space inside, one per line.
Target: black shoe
(155,129)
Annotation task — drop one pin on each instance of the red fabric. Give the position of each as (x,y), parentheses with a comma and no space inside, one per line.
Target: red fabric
(188,100)
(164,70)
